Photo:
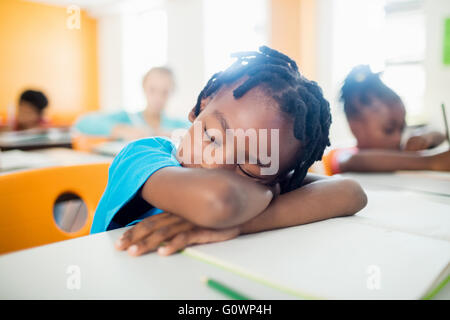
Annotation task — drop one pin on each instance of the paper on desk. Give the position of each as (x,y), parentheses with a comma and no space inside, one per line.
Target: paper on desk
(338,259)
(409,212)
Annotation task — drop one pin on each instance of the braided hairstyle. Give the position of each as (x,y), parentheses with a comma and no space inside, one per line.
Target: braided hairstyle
(297,96)
(359,86)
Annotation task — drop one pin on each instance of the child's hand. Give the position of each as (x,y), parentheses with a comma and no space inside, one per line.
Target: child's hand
(417,143)
(174,231)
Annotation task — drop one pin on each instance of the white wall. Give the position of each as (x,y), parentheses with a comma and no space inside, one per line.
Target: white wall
(437,74)
(109,35)
(185,53)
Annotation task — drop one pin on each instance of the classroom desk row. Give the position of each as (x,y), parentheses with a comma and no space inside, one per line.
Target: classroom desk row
(401,239)
(15,160)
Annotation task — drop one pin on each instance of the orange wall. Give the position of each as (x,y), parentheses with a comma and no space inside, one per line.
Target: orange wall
(293,31)
(38,51)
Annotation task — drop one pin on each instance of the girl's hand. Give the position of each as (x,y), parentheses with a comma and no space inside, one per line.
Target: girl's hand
(417,143)
(176,233)
(425,141)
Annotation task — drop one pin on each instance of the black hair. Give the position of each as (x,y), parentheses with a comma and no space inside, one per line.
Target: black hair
(359,86)
(35,98)
(297,96)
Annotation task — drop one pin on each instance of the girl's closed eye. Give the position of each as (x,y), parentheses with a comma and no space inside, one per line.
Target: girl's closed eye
(247,173)
(262,180)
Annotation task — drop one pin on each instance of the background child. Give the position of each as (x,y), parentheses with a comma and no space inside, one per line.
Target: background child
(30,110)
(181,202)
(376,116)
(158,84)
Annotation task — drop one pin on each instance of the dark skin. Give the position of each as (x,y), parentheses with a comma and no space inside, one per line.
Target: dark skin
(227,200)
(378,131)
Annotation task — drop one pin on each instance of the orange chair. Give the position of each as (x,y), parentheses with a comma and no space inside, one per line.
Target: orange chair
(27,200)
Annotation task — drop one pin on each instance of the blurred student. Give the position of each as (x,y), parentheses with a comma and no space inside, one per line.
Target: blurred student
(30,111)
(158,85)
(376,116)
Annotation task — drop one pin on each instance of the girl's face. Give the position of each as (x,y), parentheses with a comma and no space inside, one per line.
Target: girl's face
(255,114)
(379,126)
(157,88)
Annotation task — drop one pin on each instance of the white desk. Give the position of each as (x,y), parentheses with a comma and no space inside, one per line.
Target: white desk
(40,273)
(288,257)
(15,160)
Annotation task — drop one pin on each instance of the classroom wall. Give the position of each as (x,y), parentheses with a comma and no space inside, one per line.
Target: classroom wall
(185,53)
(293,31)
(39,51)
(110,53)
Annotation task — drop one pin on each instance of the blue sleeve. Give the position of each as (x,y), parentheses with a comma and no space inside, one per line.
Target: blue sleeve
(127,174)
(100,124)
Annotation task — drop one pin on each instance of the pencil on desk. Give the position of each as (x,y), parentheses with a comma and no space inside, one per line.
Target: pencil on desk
(444,114)
(231,293)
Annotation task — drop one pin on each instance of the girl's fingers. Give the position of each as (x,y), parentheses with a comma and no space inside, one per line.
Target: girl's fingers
(154,240)
(145,228)
(179,242)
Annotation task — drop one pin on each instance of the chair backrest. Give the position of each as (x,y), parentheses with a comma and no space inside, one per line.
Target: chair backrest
(27,200)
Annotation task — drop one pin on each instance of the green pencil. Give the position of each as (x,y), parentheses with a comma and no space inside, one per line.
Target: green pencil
(447,134)
(227,291)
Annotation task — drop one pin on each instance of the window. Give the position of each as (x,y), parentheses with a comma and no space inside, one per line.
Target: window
(404,42)
(388,35)
(144,46)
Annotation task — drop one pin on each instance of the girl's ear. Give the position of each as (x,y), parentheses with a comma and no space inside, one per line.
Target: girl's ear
(203,105)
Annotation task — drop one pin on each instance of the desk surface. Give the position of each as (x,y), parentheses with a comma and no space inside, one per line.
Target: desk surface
(421,235)
(44,272)
(426,182)
(105,273)
(14,160)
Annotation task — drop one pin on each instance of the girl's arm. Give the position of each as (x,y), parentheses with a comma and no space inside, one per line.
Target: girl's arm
(211,198)
(319,199)
(393,160)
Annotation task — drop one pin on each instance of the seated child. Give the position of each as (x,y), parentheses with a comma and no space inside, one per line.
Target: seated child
(213,187)
(376,116)
(158,85)
(30,111)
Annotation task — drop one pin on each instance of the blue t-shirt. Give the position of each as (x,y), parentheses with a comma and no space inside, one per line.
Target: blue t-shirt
(121,204)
